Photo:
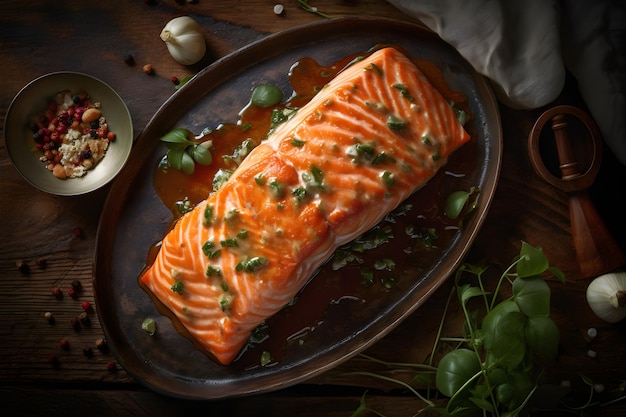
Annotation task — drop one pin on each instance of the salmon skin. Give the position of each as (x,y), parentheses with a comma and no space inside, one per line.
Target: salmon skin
(364,143)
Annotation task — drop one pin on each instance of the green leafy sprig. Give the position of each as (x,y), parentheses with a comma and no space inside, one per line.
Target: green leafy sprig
(183,153)
(496,365)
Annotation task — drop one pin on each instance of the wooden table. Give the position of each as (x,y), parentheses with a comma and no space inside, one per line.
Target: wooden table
(37,37)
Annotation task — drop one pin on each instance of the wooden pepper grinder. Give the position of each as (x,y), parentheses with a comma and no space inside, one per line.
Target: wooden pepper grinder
(596,250)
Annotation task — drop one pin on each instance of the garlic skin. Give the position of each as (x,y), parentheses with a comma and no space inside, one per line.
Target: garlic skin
(184,39)
(606,296)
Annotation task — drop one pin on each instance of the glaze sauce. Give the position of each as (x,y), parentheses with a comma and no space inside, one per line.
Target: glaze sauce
(419,229)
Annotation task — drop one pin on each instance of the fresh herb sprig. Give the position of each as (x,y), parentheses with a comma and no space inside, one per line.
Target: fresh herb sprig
(496,366)
(183,153)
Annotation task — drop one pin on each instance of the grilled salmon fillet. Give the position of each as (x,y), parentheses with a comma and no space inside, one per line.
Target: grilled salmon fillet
(365,142)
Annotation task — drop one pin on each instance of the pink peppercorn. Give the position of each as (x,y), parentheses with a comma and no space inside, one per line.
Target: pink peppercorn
(64,344)
(111,366)
(72,292)
(86,305)
(175,80)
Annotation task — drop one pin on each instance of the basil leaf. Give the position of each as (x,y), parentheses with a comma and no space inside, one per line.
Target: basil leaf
(266,95)
(187,164)
(178,135)
(202,155)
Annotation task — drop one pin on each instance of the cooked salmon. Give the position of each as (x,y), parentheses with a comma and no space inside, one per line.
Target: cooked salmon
(366,141)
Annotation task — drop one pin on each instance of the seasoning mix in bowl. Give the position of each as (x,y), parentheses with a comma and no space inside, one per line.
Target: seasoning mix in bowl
(68,133)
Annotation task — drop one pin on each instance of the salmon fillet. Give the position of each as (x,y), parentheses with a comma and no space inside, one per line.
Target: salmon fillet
(369,139)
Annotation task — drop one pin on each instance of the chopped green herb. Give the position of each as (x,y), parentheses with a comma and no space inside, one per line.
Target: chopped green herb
(229,243)
(149,325)
(266,358)
(436,156)
(384,264)
(388,282)
(382,158)
(363,148)
(212,271)
(461,116)
(395,123)
(208,218)
(367,276)
(299,194)
(241,151)
(251,264)
(259,179)
(225,301)
(315,178)
(404,91)
(178,287)
(277,189)
(374,67)
(221,176)
(207,247)
(246,126)
(297,142)
(184,206)
(231,216)
(260,333)
(377,106)
(387,178)
(242,234)
(426,140)
(280,116)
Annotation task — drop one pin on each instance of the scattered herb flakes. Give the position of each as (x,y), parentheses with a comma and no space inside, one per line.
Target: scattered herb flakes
(252,264)
(149,326)
(178,287)
(183,206)
(221,176)
(404,91)
(266,358)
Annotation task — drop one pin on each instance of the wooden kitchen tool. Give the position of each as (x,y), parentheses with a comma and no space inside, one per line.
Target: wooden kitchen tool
(596,250)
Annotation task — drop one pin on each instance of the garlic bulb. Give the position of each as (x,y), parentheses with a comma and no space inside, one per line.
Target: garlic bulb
(184,39)
(606,296)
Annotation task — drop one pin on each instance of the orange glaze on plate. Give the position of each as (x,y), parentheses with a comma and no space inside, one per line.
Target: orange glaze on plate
(369,139)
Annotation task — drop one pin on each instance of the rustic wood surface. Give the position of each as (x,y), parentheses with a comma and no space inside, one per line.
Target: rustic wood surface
(55,236)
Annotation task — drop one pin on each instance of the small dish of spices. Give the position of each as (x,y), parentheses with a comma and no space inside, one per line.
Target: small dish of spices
(68,133)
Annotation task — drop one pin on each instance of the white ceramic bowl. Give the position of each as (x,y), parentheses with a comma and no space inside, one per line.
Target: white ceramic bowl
(32,101)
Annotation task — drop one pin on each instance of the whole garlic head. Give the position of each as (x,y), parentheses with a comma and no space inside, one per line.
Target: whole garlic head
(184,39)
(606,296)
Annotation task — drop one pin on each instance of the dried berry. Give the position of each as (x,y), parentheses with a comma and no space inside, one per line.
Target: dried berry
(75,323)
(83,318)
(49,316)
(65,344)
(129,60)
(101,344)
(42,263)
(56,291)
(88,352)
(22,266)
(53,359)
(86,305)
(72,292)
(175,80)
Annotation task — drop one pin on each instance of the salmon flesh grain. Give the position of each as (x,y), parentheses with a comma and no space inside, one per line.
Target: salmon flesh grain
(366,141)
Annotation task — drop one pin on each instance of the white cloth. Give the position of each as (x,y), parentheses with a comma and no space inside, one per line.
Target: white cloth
(524,47)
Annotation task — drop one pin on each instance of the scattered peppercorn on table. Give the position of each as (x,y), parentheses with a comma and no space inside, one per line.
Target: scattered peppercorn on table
(54,358)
